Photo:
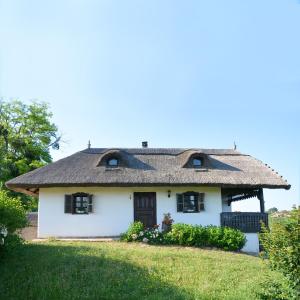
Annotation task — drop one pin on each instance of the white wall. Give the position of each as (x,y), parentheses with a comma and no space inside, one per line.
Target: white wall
(225,206)
(252,244)
(113,210)
(212,204)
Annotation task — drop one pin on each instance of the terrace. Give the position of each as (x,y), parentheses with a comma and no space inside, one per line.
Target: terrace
(247,222)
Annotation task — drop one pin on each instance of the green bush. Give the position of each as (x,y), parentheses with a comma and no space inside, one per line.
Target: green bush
(188,235)
(137,233)
(275,289)
(12,213)
(281,246)
(12,218)
(231,239)
(206,236)
(12,242)
(133,231)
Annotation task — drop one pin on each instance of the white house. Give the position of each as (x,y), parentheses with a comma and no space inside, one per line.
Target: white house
(99,192)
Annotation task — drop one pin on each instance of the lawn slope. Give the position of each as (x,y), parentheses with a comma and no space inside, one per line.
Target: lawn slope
(115,270)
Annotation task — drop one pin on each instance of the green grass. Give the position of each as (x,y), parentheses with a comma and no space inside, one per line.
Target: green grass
(115,270)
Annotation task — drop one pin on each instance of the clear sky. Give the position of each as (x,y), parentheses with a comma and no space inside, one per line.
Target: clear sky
(174,73)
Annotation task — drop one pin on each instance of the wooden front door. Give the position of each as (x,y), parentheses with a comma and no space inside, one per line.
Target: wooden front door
(145,208)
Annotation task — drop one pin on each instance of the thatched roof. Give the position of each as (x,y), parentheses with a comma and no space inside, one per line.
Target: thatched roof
(151,167)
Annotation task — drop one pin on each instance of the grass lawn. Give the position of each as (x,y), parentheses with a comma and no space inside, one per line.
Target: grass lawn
(115,270)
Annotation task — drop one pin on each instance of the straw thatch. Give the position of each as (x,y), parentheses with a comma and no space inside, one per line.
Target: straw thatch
(152,167)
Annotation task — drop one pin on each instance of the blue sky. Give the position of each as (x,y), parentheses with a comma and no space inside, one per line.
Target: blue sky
(175,73)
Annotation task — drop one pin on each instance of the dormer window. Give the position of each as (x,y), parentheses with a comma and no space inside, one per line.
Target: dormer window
(113,159)
(197,162)
(112,162)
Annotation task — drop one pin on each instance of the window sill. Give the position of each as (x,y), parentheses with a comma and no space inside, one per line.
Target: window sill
(112,169)
(201,170)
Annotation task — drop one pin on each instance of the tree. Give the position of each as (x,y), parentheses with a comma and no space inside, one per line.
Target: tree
(26,137)
(272,210)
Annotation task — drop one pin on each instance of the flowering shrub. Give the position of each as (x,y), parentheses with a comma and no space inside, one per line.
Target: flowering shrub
(138,233)
(188,235)
(133,232)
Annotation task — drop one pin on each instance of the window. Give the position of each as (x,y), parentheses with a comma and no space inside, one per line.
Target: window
(197,162)
(79,203)
(190,202)
(112,162)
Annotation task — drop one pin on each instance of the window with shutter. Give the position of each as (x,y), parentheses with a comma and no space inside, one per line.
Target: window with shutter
(190,202)
(79,203)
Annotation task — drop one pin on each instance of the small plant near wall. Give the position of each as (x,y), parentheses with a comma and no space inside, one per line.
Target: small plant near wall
(167,222)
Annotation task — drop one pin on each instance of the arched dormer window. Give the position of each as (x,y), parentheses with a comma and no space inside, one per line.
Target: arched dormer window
(197,162)
(113,159)
(112,162)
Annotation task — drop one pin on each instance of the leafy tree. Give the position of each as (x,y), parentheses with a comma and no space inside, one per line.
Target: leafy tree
(272,210)
(26,137)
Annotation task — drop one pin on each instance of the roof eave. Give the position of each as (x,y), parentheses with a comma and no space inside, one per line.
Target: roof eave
(27,188)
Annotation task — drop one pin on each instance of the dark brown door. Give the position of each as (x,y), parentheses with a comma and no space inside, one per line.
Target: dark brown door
(145,208)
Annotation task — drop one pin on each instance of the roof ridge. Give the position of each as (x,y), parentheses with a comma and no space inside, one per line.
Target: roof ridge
(163,151)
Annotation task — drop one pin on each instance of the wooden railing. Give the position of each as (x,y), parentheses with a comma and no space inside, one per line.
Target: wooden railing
(244,221)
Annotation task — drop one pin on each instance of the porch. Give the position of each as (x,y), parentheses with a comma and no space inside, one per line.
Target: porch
(247,222)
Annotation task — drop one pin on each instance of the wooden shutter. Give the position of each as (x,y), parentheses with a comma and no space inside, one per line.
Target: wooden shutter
(179,202)
(90,204)
(201,202)
(68,204)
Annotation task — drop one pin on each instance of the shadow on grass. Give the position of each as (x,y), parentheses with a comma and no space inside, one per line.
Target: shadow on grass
(53,271)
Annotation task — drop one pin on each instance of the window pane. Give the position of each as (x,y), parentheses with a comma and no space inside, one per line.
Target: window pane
(113,162)
(81,204)
(197,162)
(190,203)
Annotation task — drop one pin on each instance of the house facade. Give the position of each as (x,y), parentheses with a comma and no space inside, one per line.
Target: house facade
(98,192)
